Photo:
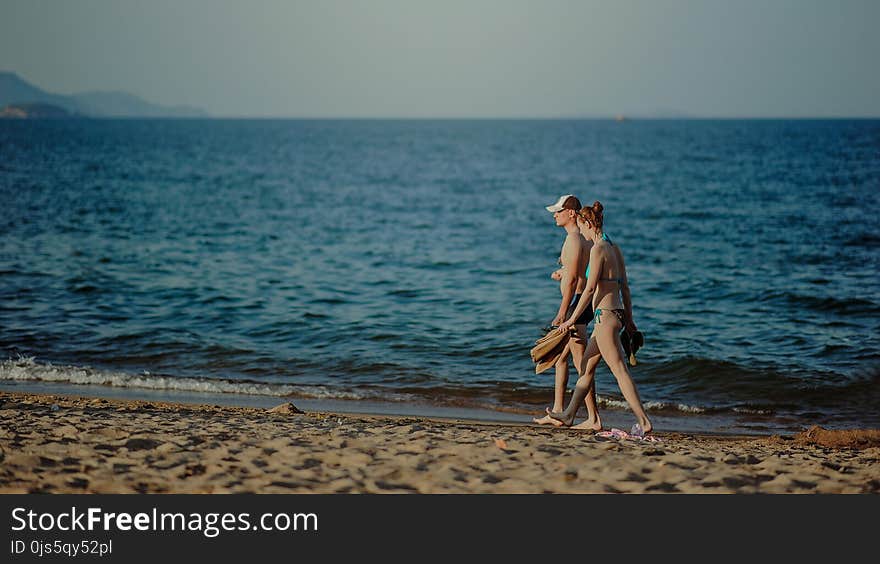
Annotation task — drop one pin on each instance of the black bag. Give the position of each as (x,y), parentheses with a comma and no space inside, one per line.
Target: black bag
(631,344)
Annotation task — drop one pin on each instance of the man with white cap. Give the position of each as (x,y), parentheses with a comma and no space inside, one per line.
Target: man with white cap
(572,280)
(574,255)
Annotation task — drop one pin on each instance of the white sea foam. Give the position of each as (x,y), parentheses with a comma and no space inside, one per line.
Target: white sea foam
(28,369)
(650,405)
(752,410)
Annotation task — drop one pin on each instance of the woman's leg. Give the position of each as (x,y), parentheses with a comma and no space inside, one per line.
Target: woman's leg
(607,336)
(585,365)
(593,421)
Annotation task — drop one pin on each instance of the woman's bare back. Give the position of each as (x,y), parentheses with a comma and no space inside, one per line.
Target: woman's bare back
(611,275)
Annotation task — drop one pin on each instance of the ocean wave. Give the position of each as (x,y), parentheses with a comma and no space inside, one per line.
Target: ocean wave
(685,387)
(721,386)
(28,369)
(517,399)
(824,303)
(652,406)
(870,240)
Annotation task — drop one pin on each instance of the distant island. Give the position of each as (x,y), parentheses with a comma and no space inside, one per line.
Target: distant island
(22,100)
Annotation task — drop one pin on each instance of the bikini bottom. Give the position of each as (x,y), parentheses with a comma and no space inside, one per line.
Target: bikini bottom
(598,316)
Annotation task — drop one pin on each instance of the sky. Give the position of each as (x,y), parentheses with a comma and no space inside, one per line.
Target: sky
(458,58)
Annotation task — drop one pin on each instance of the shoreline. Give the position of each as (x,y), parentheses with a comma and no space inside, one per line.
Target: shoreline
(76,444)
(620,418)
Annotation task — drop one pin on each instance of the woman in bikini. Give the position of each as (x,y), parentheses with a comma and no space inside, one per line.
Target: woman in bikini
(608,284)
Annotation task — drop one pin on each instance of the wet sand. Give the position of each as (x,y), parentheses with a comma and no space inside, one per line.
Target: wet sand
(67,444)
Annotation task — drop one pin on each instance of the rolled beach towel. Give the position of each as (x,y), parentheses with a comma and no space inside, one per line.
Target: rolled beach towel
(548,348)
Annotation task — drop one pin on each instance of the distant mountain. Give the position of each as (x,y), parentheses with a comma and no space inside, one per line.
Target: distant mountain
(15,90)
(122,104)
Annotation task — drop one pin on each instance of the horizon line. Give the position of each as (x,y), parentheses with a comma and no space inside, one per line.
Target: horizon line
(623,118)
(616,116)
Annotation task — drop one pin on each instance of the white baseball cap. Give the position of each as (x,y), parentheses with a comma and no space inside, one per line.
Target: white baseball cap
(567,201)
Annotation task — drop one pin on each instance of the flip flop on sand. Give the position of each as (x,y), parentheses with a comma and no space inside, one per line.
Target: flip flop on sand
(619,434)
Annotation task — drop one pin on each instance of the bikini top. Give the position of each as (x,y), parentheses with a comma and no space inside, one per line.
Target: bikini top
(618,280)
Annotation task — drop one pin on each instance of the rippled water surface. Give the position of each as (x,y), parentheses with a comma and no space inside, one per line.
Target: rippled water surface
(410,260)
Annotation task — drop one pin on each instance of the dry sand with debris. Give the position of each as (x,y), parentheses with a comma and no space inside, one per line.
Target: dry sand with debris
(58,444)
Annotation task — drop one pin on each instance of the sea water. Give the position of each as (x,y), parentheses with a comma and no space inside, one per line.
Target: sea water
(407,263)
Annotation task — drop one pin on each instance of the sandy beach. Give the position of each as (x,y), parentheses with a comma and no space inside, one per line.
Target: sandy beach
(66,444)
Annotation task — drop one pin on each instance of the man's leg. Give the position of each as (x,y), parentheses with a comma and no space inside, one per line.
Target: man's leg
(558,389)
(585,384)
